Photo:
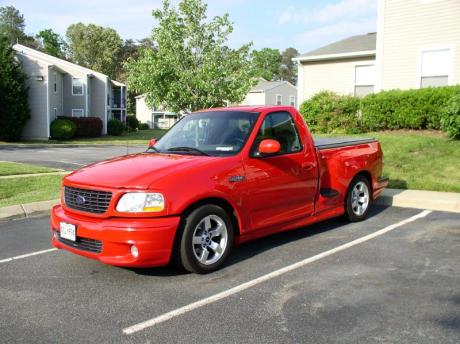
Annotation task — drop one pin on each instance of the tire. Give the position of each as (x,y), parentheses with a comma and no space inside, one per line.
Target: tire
(358,199)
(206,239)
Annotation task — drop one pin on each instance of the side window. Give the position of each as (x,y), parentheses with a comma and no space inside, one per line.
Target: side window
(278,126)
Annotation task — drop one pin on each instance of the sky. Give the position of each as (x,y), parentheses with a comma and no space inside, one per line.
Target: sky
(302,24)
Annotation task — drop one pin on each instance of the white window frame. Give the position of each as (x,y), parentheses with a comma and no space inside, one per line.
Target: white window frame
(292,101)
(450,67)
(82,87)
(281,99)
(55,83)
(78,109)
(364,64)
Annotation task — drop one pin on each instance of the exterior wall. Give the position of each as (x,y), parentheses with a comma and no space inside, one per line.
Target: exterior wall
(55,98)
(254,98)
(70,101)
(37,126)
(143,111)
(97,98)
(334,75)
(286,91)
(408,26)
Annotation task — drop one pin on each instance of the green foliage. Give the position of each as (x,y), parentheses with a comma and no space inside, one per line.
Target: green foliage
(132,122)
(191,66)
(115,127)
(267,63)
(143,126)
(450,120)
(288,70)
(11,24)
(50,43)
(327,112)
(14,109)
(94,47)
(63,129)
(408,109)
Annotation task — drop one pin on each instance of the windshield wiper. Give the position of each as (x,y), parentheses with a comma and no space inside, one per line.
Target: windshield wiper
(187,149)
(154,149)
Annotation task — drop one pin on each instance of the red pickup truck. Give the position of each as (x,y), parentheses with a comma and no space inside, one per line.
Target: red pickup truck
(217,178)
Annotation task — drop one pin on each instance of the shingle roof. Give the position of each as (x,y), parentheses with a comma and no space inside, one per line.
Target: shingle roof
(264,85)
(348,45)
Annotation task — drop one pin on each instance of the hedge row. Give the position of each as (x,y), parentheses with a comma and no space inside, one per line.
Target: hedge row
(427,108)
(65,128)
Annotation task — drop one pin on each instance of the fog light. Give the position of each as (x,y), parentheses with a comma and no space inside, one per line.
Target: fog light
(134,251)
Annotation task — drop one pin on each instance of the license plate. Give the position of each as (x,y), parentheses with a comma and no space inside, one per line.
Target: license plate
(68,231)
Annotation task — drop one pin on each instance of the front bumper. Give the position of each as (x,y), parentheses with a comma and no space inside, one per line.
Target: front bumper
(154,238)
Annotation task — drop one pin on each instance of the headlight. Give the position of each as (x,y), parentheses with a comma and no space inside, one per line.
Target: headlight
(139,202)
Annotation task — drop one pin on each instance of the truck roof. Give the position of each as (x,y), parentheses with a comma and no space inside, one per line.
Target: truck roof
(249,108)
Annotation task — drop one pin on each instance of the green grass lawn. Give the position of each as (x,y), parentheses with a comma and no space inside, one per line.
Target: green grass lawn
(13,168)
(421,160)
(31,189)
(135,137)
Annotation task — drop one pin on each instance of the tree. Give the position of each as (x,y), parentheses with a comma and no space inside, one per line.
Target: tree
(50,43)
(191,66)
(288,69)
(14,109)
(12,24)
(267,63)
(94,47)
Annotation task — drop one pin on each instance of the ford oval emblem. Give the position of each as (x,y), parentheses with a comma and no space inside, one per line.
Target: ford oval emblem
(80,200)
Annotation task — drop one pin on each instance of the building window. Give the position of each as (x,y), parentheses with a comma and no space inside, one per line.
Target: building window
(279,99)
(292,100)
(77,87)
(55,83)
(78,112)
(364,80)
(435,67)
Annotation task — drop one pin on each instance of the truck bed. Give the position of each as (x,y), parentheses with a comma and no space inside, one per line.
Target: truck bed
(334,142)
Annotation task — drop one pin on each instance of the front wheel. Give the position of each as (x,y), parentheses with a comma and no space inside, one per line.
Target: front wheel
(358,199)
(207,238)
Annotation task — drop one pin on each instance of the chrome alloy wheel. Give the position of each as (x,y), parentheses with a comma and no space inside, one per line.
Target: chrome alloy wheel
(210,239)
(360,198)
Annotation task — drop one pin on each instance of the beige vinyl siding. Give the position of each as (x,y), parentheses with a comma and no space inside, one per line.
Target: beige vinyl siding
(143,111)
(409,26)
(37,126)
(254,98)
(334,75)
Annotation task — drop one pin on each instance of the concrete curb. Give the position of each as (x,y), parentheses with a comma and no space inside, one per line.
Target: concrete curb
(27,210)
(431,200)
(35,175)
(69,145)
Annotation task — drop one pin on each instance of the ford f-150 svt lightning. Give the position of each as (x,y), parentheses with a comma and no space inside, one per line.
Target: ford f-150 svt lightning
(217,178)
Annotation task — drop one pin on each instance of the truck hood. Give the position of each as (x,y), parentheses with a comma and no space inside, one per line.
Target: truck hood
(135,171)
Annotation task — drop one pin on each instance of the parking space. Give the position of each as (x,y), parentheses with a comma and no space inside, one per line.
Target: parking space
(67,158)
(401,286)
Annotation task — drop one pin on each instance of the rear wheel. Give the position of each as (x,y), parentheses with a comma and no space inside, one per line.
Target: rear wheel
(207,238)
(358,199)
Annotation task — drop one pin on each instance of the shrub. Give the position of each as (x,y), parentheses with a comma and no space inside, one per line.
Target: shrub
(87,126)
(143,126)
(115,127)
(327,112)
(132,122)
(450,120)
(14,109)
(63,129)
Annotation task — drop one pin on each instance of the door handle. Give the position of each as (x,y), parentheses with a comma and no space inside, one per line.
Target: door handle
(308,165)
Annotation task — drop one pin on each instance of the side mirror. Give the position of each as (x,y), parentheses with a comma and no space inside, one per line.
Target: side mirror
(152,142)
(269,146)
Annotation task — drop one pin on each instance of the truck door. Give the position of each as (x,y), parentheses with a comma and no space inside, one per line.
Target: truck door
(281,187)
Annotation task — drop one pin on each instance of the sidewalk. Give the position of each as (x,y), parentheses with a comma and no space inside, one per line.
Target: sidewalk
(35,174)
(431,200)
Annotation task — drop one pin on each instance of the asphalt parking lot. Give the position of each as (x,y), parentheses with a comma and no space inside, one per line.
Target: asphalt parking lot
(64,157)
(399,287)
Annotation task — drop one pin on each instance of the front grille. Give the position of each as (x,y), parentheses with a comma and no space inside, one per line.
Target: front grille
(83,244)
(90,201)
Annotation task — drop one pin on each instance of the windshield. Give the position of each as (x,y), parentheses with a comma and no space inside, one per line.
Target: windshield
(217,133)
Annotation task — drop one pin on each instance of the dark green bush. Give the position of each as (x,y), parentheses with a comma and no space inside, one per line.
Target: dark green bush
(450,121)
(327,112)
(143,126)
(62,129)
(132,122)
(86,126)
(115,127)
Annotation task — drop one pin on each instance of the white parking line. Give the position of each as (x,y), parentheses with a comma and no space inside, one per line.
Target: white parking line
(27,255)
(226,293)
